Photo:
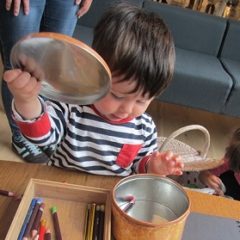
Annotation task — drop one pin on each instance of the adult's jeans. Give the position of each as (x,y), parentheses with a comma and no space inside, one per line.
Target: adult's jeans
(44,16)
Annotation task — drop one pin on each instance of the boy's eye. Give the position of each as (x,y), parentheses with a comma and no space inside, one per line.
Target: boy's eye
(141,101)
(116,96)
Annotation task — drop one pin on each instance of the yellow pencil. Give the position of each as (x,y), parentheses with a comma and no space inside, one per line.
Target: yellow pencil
(85,235)
(91,221)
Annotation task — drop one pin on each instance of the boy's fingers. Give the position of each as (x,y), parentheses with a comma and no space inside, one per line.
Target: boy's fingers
(10,75)
(213,184)
(154,154)
(178,172)
(168,155)
(22,80)
(31,86)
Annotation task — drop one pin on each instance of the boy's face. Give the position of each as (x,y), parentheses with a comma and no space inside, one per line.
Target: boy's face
(120,103)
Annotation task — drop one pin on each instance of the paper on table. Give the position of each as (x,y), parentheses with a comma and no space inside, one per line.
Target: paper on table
(200,226)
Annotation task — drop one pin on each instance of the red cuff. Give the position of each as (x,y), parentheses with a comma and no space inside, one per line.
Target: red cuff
(142,164)
(35,129)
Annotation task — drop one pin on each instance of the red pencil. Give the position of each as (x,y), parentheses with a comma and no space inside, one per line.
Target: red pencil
(42,229)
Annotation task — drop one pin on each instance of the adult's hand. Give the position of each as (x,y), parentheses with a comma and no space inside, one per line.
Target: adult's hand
(16,4)
(84,6)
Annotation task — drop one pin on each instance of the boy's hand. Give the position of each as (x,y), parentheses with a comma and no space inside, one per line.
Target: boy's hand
(165,163)
(25,89)
(22,85)
(211,181)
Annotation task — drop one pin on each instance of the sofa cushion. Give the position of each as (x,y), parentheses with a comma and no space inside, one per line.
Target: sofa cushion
(230,48)
(86,24)
(230,58)
(84,34)
(191,30)
(232,106)
(199,81)
(97,9)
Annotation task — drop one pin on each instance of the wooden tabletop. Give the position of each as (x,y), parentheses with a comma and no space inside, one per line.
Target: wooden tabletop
(15,177)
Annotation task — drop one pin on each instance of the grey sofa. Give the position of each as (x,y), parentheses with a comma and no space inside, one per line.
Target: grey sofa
(85,25)
(230,58)
(207,69)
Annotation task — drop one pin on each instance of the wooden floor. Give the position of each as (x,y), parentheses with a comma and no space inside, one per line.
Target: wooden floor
(168,118)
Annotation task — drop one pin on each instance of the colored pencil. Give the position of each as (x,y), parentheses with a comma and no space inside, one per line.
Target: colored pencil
(101,222)
(47,235)
(27,217)
(7,193)
(37,219)
(31,220)
(129,205)
(90,223)
(56,223)
(87,213)
(93,211)
(36,237)
(96,223)
(42,229)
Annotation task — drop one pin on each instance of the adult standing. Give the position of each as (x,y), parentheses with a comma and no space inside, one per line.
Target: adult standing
(19,18)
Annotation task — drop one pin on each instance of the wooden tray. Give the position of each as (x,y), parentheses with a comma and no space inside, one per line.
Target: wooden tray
(71,202)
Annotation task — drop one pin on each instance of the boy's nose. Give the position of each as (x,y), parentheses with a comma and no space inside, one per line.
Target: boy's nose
(126,108)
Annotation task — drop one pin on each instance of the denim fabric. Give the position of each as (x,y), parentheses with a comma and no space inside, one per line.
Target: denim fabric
(45,15)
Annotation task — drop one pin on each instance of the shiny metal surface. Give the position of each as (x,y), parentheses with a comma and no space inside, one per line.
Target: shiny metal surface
(70,71)
(158,199)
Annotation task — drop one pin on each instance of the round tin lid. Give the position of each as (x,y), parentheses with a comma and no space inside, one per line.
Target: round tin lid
(70,71)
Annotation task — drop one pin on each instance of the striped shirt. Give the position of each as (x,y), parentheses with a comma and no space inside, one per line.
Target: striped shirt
(87,142)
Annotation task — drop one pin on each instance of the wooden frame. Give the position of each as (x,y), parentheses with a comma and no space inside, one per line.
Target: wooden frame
(71,201)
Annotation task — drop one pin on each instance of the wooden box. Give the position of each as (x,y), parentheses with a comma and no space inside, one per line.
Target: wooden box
(71,202)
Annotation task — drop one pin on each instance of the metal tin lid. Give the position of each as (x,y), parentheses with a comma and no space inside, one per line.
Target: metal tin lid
(70,71)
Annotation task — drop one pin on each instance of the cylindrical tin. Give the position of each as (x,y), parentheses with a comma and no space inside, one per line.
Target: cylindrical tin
(159,212)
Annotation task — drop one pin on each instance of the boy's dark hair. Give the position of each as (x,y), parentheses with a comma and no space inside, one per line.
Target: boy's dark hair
(136,45)
(233,151)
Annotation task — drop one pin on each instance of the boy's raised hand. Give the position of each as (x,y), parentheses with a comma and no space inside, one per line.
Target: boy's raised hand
(165,163)
(25,89)
(22,85)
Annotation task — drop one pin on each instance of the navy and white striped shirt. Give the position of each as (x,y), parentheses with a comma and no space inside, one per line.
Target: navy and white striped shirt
(87,142)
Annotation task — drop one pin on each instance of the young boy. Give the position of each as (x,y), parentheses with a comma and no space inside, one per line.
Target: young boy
(113,136)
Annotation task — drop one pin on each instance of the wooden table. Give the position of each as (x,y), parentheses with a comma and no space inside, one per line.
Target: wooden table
(15,177)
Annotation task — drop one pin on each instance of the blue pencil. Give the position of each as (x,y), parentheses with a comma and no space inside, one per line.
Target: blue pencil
(26,220)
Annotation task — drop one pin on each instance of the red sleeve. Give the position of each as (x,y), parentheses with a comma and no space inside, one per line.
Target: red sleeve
(221,169)
(37,128)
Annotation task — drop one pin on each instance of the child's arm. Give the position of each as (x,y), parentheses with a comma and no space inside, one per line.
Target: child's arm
(25,89)
(211,180)
(164,163)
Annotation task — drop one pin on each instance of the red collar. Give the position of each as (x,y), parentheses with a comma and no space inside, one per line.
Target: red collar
(125,120)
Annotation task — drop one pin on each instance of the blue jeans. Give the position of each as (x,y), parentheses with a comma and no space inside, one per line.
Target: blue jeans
(44,16)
